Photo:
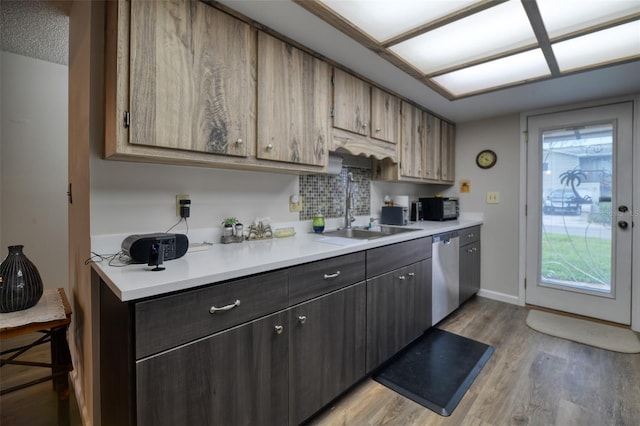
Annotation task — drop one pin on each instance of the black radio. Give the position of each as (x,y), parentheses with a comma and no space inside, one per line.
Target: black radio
(141,247)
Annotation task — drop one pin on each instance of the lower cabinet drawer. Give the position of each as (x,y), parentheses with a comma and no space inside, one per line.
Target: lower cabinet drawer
(469,235)
(387,258)
(169,321)
(314,279)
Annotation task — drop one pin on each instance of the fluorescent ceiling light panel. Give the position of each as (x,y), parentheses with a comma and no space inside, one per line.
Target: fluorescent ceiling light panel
(602,47)
(504,71)
(566,16)
(385,19)
(490,32)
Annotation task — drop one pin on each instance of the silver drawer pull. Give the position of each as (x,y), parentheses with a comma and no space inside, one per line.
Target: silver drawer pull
(470,250)
(412,274)
(239,141)
(279,329)
(402,277)
(302,319)
(214,309)
(328,276)
(470,235)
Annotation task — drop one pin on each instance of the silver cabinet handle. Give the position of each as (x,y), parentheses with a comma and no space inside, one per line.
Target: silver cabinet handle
(470,235)
(269,147)
(329,276)
(412,274)
(239,141)
(278,329)
(214,309)
(470,250)
(402,277)
(378,129)
(302,319)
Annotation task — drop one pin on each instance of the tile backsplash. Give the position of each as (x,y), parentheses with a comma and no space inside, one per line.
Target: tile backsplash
(328,193)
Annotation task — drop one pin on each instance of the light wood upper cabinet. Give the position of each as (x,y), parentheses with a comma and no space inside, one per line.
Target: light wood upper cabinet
(366,120)
(192,78)
(351,103)
(447,152)
(413,141)
(294,105)
(427,150)
(385,116)
(431,155)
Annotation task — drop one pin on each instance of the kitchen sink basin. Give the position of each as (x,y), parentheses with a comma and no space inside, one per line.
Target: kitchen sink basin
(355,233)
(366,234)
(392,230)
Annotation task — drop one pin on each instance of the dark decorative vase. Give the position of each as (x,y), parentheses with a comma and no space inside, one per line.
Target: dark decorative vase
(20,282)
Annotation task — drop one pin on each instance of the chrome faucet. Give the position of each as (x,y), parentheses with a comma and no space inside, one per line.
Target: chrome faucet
(348,214)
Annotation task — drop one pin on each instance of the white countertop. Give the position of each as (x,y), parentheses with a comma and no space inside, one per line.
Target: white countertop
(222,262)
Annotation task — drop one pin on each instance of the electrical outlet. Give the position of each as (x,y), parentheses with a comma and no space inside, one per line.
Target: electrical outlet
(295,203)
(493,197)
(178,198)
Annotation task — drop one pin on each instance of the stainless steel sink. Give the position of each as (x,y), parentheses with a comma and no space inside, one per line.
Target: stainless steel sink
(355,233)
(366,234)
(392,230)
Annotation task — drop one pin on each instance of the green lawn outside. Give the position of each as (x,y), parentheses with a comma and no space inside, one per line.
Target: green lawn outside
(576,258)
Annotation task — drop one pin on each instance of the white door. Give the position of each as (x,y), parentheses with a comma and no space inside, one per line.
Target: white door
(579,211)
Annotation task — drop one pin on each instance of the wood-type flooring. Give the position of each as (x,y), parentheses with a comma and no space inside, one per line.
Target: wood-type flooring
(531,379)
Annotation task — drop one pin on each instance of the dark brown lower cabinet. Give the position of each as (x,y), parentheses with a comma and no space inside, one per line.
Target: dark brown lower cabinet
(398,310)
(326,349)
(236,377)
(469,270)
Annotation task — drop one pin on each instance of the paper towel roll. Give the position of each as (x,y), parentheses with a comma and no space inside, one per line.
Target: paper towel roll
(335,164)
(401,200)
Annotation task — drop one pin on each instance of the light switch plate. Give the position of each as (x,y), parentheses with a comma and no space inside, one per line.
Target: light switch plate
(493,197)
(295,204)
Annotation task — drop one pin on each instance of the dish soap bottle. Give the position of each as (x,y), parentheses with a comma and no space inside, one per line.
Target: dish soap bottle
(318,222)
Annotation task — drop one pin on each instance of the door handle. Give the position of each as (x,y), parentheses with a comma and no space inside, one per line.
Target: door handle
(623,209)
(623,224)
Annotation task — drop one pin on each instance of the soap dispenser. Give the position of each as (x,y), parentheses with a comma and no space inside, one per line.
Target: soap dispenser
(318,222)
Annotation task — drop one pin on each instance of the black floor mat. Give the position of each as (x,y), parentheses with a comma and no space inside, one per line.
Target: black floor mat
(436,370)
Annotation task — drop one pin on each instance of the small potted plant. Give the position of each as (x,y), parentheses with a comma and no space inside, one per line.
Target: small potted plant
(229,224)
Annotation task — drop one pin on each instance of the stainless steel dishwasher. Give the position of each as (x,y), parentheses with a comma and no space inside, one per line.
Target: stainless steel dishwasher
(446,275)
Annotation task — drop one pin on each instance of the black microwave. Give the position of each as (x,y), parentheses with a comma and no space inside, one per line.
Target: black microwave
(440,208)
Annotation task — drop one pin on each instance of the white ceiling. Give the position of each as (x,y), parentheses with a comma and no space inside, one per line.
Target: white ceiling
(296,23)
(37,29)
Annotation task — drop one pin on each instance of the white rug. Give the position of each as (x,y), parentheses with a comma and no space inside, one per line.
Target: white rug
(582,331)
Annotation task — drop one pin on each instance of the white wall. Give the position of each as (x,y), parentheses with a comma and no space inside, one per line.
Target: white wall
(500,256)
(34,163)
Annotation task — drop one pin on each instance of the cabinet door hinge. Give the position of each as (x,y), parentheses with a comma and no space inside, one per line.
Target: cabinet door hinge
(70,194)
(525,283)
(333,80)
(331,113)
(526,209)
(526,136)
(127,120)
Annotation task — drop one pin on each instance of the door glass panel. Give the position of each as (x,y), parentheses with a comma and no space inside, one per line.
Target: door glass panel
(576,250)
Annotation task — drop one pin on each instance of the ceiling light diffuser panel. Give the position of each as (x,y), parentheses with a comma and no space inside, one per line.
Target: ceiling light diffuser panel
(501,72)
(567,16)
(611,45)
(490,32)
(385,19)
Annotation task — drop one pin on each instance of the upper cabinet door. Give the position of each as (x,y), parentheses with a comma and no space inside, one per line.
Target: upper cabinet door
(192,78)
(431,159)
(293,103)
(351,103)
(385,116)
(447,152)
(412,146)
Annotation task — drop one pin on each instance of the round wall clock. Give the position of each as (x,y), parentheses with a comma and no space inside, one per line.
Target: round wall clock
(486,159)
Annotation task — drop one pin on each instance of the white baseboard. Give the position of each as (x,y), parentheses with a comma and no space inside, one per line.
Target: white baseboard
(501,297)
